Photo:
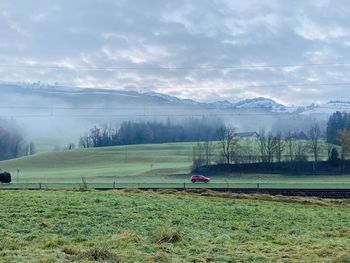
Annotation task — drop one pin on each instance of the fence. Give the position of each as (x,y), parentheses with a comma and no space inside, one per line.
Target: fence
(179,185)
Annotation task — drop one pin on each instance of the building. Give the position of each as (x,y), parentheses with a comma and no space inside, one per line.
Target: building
(247,135)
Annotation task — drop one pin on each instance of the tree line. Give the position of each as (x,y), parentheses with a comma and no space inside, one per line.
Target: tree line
(128,132)
(269,148)
(338,132)
(12,143)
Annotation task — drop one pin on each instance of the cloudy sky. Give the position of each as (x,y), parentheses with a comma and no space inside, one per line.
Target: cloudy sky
(295,52)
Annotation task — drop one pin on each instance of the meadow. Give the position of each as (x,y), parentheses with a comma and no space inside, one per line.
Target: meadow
(133,226)
(160,165)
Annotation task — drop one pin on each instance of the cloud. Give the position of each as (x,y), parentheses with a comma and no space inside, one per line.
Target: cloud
(199,40)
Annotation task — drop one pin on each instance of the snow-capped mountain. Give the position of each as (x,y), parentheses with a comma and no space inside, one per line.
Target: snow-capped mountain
(261,103)
(170,99)
(256,103)
(325,109)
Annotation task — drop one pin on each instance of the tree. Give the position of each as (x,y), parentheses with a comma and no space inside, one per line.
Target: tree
(280,146)
(314,142)
(262,145)
(300,152)
(248,154)
(208,151)
(11,140)
(337,122)
(227,143)
(271,147)
(70,146)
(236,153)
(330,148)
(198,156)
(334,157)
(290,141)
(5,177)
(95,135)
(31,148)
(344,139)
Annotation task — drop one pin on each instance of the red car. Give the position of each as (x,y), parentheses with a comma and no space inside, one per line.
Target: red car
(199,178)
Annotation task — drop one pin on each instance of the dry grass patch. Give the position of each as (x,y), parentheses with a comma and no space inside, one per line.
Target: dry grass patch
(168,235)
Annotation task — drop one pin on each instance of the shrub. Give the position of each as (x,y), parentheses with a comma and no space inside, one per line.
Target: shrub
(334,157)
(5,177)
(168,236)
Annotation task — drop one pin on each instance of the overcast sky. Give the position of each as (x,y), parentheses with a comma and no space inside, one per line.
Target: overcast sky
(201,49)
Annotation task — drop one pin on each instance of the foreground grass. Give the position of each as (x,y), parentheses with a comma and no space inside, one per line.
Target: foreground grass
(115,226)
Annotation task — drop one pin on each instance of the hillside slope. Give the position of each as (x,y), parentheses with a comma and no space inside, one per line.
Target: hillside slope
(103,164)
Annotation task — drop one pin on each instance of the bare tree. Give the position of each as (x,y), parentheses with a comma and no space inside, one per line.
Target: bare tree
(330,148)
(70,146)
(248,152)
(95,136)
(31,148)
(271,146)
(236,153)
(290,141)
(300,152)
(262,145)
(314,143)
(198,156)
(280,146)
(227,143)
(208,151)
(85,142)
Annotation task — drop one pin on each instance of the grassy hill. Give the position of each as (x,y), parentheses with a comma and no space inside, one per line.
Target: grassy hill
(142,164)
(103,163)
(115,226)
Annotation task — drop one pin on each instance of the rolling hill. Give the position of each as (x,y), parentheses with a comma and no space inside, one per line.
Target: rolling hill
(157,165)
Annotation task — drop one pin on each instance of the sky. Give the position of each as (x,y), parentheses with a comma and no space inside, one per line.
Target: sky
(295,52)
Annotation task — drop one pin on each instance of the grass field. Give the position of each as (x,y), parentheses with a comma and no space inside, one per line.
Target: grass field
(104,164)
(116,226)
(162,165)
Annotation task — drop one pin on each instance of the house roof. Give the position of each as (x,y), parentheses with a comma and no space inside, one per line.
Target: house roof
(246,134)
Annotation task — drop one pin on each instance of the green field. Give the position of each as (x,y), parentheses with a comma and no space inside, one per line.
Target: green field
(161,165)
(104,164)
(117,226)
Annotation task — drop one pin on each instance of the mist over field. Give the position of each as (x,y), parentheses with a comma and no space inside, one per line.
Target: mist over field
(62,114)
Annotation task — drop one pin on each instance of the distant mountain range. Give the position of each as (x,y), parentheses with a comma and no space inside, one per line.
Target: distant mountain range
(262,103)
(64,113)
(77,97)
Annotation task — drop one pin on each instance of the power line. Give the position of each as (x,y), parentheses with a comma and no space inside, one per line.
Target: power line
(165,108)
(235,67)
(291,84)
(149,115)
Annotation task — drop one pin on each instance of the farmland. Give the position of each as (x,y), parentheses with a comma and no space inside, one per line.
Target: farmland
(117,226)
(164,165)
